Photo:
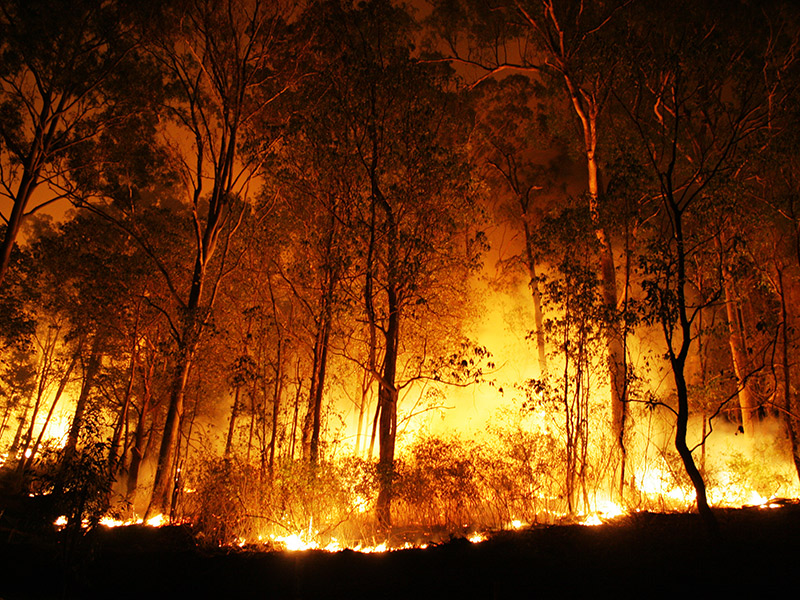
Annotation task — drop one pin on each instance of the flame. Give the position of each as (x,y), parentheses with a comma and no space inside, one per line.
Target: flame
(108,521)
(156,521)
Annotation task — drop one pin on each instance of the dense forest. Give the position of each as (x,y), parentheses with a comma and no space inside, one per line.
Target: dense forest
(333,268)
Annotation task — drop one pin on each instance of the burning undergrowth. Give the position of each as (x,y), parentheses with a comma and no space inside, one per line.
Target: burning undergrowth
(449,487)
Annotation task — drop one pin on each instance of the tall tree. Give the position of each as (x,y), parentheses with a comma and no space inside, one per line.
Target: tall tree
(696,119)
(59,89)
(573,43)
(223,65)
(402,127)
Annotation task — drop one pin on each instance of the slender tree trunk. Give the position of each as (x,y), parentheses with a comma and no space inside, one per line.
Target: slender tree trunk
(160,502)
(92,368)
(40,389)
(22,419)
(122,421)
(318,396)
(298,394)
(678,364)
(538,318)
(28,183)
(232,424)
(587,110)
(387,393)
(366,385)
(138,450)
(736,340)
(276,407)
(387,421)
(59,392)
(791,417)
(253,414)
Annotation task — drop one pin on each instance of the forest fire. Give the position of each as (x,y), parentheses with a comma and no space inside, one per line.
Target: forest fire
(343,278)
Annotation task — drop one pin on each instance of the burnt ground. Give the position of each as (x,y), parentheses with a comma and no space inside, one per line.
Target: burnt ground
(640,556)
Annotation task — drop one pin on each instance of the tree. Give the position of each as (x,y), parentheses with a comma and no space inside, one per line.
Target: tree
(399,124)
(59,64)
(511,136)
(573,43)
(223,66)
(695,118)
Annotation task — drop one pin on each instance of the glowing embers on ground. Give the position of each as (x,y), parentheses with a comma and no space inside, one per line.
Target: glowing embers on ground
(296,543)
(156,521)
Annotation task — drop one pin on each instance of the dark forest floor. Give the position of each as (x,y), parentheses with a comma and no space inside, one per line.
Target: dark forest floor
(640,556)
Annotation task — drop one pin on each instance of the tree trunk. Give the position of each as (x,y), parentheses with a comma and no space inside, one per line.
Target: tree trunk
(736,339)
(791,416)
(232,425)
(141,437)
(22,418)
(387,392)
(28,183)
(92,368)
(59,392)
(538,318)
(137,451)
(40,389)
(678,367)
(678,364)
(587,109)
(160,502)
(276,407)
(297,395)
(122,421)
(387,422)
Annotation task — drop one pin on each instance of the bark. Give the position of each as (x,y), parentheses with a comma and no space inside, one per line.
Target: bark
(297,395)
(160,502)
(232,424)
(141,437)
(678,368)
(387,422)
(736,339)
(536,294)
(387,392)
(318,395)
(791,417)
(313,420)
(678,364)
(278,389)
(276,407)
(137,452)
(587,109)
(92,368)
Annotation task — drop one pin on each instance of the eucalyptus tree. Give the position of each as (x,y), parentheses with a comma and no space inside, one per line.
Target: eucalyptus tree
(91,283)
(699,103)
(220,66)
(399,124)
(520,154)
(573,44)
(61,84)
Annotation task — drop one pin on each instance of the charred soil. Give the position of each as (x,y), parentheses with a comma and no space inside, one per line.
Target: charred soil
(641,555)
